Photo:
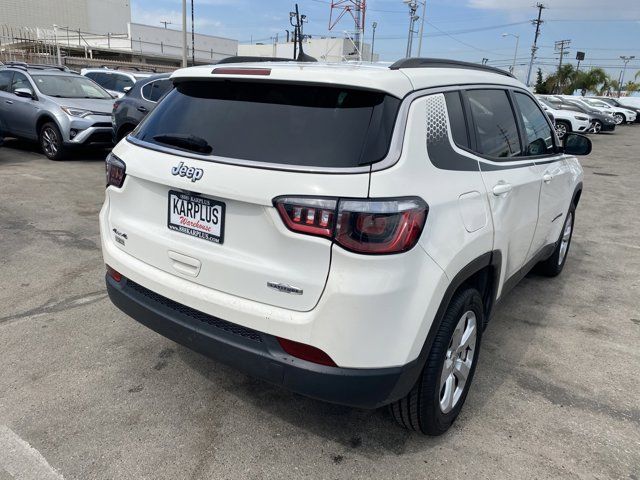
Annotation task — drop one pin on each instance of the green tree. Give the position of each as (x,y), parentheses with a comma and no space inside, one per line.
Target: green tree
(562,80)
(590,80)
(541,86)
(632,86)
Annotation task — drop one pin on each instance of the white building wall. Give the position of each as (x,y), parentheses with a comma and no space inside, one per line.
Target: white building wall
(168,42)
(93,16)
(324,49)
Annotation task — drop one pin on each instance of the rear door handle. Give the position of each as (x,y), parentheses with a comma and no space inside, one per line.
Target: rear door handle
(142,109)
(10,102)
(501,189)
(547,177)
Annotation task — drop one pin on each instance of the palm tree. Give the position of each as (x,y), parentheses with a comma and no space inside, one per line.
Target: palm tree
(590,80)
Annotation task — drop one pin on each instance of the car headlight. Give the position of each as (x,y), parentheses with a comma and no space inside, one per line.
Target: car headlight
(581,118)
(76,112)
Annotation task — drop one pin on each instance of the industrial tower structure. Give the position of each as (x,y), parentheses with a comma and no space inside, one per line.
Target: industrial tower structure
(357,9)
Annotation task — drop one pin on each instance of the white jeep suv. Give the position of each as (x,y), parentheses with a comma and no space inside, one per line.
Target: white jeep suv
(342,230)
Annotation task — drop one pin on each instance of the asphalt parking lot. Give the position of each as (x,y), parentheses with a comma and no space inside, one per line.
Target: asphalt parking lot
(90,394)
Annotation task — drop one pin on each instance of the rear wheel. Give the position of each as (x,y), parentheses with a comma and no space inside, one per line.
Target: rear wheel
(436,399)
(51,142)
(552,266)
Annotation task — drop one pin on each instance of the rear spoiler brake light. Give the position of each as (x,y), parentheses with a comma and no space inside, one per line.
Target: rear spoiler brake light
(241,71)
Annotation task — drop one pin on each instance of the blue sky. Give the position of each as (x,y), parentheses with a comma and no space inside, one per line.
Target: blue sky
(460,29)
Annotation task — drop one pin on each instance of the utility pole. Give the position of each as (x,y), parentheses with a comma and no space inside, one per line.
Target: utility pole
(55,39)
(413,7)
(184,33)
(165,23)
(374,25)
(626,60)
(561,46)
(424,12)
(193,37)
(534,47)
(298,35)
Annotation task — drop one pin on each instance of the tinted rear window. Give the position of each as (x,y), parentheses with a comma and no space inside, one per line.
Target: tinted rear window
(302,125)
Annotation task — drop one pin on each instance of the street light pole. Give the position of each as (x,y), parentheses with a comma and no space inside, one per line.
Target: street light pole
(184,33)
(55,39)
(413,7)
(626,60)
(424,12)
(374,25)
(515,54)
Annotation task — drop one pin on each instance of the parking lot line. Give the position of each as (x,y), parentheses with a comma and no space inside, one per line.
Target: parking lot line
(21,460)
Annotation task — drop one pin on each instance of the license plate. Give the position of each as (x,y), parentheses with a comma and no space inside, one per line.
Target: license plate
(196,216)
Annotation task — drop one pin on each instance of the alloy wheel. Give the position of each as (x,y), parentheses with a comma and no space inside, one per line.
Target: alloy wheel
(49,141)
(561,130)
(458,361)
(619,118)
(566,238)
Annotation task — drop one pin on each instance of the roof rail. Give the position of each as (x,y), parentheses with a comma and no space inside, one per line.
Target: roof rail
(128,67)
(444,63)
(37,66)
(246,59)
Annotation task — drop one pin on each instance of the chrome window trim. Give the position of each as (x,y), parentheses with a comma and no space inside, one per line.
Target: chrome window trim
(152,81)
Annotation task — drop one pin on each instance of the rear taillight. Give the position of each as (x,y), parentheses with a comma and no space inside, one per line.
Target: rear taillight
(115,171)
(116,105)
(361,226)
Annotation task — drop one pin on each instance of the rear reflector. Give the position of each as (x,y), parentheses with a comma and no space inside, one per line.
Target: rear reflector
(117,276)
(241,71)
(306,352)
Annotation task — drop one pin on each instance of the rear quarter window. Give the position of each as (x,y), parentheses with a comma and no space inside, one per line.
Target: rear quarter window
(277,123)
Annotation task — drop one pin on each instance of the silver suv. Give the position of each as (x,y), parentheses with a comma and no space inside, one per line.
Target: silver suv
(54,106)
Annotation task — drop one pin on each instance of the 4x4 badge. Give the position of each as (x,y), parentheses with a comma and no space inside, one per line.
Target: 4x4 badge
(182,170)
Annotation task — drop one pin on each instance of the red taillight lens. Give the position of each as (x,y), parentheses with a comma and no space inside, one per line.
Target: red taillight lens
(362,226)
(305,352)
(313,216)
(115,105)
(117,276)
(387,226)
(116,169)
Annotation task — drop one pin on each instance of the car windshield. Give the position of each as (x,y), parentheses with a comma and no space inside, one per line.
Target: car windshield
(597,103)
(69,86)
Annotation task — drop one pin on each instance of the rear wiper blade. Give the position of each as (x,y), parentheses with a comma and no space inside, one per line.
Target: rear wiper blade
(187,142)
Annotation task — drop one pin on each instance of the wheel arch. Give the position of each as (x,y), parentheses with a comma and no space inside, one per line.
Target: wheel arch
(45,118)
(482,273)
(125,127)
(577,193)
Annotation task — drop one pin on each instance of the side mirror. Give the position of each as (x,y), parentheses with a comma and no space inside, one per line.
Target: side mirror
(24,92)
(576,144)
(127,89)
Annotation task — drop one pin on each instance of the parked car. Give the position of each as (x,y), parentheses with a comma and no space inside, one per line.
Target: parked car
(566,121)
(129,110)
(54,106)
(343,231)
(617,102)
(621,115)
(115,81)
(600,122)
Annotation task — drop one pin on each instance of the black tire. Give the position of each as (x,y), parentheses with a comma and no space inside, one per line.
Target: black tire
(50,140)
(597,126)
(421,409)
(552,266)
(124,131)
(562,128)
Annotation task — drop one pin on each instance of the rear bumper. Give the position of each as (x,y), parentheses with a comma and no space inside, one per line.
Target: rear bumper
(259,354)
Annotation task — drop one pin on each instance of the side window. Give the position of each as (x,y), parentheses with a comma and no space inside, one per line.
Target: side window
(91,75)
(105,80)
(5,80)
(155,90)
(20,81)
(146,91)
(457,119)
(495,125)
(121,82)
(538,133)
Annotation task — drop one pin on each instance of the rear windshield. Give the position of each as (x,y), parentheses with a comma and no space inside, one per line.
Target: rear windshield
(278,123)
